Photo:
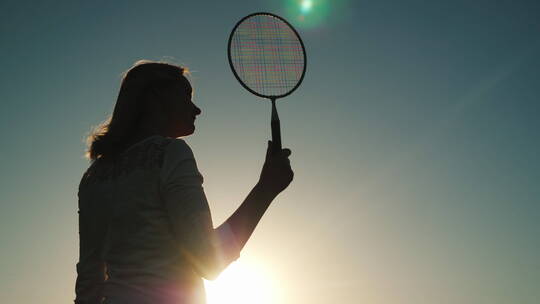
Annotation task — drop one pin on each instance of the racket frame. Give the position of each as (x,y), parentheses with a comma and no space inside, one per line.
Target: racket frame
(275,123)
(234,70)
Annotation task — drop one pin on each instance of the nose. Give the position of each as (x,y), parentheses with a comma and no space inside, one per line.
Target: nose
(198,111)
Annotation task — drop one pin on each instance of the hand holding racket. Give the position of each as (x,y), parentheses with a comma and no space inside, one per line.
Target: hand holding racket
(268,58)
(276,173)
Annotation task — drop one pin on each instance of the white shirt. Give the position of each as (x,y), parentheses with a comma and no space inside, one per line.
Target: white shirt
(146,233)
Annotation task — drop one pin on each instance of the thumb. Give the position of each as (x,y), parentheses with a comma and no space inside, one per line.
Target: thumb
(286,152)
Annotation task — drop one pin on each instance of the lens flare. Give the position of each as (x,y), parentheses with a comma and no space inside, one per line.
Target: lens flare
(243,282)
(306,6)
(316,14)
(307,13)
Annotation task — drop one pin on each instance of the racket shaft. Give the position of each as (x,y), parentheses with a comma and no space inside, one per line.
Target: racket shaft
(276,135)
(276,128)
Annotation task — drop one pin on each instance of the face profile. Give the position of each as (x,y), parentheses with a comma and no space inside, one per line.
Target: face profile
(180,111)
(169,109)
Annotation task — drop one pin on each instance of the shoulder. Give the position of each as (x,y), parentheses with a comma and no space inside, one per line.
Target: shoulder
(177,149)
(178,146)
(177,153)
(179,161)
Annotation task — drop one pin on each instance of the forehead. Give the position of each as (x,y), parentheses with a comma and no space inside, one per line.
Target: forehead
(184,85)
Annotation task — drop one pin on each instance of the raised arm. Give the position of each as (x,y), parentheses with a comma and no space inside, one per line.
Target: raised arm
(207,249)
(276,175)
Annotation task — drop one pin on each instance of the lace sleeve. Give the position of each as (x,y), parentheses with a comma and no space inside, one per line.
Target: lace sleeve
(207,249)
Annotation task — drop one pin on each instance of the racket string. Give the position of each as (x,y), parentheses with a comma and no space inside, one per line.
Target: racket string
(267,55)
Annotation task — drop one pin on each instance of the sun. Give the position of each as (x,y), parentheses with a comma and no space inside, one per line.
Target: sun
(306,5)
(243,282)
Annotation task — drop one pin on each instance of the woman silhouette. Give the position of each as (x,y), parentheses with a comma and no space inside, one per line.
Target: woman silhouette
(146,233)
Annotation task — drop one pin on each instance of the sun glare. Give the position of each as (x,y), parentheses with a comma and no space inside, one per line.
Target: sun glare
(308,14)
(306,5)
(242,283)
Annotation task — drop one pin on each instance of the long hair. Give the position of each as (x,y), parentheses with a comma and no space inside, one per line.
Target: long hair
(111,137)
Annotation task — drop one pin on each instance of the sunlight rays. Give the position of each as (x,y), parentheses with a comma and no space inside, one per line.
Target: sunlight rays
(242,283)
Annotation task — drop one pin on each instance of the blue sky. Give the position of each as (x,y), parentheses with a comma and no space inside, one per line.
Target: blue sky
(414,137)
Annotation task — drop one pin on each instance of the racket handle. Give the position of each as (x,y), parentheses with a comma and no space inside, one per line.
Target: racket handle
(276,128)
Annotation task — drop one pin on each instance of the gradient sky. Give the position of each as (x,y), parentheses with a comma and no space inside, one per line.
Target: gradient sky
(414,137)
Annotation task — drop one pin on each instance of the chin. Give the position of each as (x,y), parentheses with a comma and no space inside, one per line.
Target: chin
(186,132)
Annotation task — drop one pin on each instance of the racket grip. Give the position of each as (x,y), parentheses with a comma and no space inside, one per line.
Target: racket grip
(276,129)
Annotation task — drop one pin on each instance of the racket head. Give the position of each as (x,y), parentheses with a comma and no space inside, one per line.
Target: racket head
(267,55)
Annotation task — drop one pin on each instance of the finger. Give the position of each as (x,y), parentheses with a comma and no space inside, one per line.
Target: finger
(287,164)
(269,149)
(286,152)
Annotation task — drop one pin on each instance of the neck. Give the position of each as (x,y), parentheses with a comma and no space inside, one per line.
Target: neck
(141,135)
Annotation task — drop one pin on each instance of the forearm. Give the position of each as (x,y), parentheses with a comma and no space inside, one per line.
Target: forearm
(244,220)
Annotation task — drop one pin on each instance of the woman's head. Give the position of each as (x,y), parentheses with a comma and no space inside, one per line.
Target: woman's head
(154,99)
